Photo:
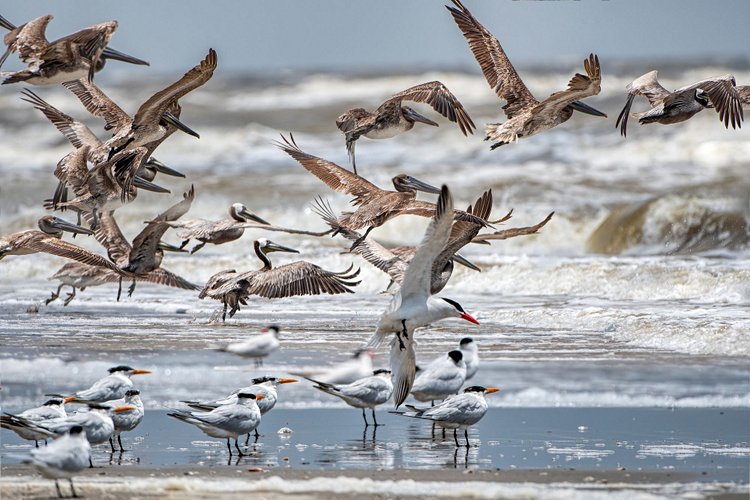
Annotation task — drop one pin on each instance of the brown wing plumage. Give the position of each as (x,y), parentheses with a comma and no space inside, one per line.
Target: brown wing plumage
(427,209)
(109,235)
(513,232)
(167,278)
(69,251)
(579,87)
(441,99)
(152,109)
(351,119)
(497,68)
(76,132)
(300,278)
(335,177)
(99,104)
(29,39)
(647,86)
(726,99)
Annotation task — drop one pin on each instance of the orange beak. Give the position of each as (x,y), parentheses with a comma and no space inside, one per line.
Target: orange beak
(258,397)
(468,317)
(140,372)
(490,390)
(287,380)
(121,409)
(69,399)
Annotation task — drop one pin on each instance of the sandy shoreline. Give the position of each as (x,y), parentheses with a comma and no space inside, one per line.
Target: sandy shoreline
(18,481)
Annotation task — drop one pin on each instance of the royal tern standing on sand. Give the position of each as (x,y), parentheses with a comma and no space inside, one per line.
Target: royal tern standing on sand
(54,408)
(457,412)
(113,386)
(470,350)
(127,420)
(227,421)
(257,347)
(63,457)
(413,306)
(367,392)
(443,377)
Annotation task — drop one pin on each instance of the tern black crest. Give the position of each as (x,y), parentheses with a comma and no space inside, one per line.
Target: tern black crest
(466,340)
(475,388)
(456,356)
(382,370)
(76,429)
(121,368)
(260,380)
(246,395)
(53,402)
(454,304)
(132,392)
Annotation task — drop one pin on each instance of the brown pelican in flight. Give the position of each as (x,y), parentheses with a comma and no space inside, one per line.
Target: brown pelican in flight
(413,306)
(375,206)
(297,278)
(667,107)
(391,118)
(143,258)
(74,56)
(49,240)
(526,115)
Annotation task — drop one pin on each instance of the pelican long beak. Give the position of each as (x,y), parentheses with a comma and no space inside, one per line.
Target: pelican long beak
(162,168)
(585,108)
(468,317)
(173,120)
(142,183)
(465,262)
(140,372)
(116,55)
(249,215)
(422,186)
(258,397)
(170,248)
(412,115)
(121,409)
(275,247)
(287,380)
(64,225)
(490,390)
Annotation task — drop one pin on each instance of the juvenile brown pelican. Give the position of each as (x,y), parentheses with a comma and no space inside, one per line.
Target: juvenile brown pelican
(667,107)
(74,56)
(143,258)
(526,115)
(48,240)
(505,234)
(395,261)
(289,280)
(375,205)
(391,118)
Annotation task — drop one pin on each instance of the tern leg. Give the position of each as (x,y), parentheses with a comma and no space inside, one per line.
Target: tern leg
(373,417)
(443,432)
(131,288)
(247,441)
(57,487)
(229,447)
(257,434)
(237,445)
(91,464)
(466,435)
(111,444)
(119,288)
(54,294)
(36,443)
(365,417)
(72,489)
(197,247)
(119,441)
(71,296)
(45,442)
(455,437)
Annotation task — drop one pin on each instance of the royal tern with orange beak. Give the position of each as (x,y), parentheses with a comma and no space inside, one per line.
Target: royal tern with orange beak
(54,408)
(113,386)
(457,412)
(265,386)
(413,306)
(64,457)
(227,421)
(367,392)
(443,377)
(126,420)
(257,347)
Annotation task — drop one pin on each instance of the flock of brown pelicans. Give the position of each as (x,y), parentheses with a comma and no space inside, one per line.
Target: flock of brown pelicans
(104,175)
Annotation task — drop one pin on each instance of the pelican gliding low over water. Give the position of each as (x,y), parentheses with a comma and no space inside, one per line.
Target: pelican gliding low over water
(391,118)
(526,115)
(719,92)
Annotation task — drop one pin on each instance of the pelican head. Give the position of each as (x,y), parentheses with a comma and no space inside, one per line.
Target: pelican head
(412,116)
(116,55)
(459,312)
(162,168)
(585,108)
(701,97)
(170,119)
(55,226)
(456,356)
(460,259)
(240,213)
(269,246)
(405,183)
